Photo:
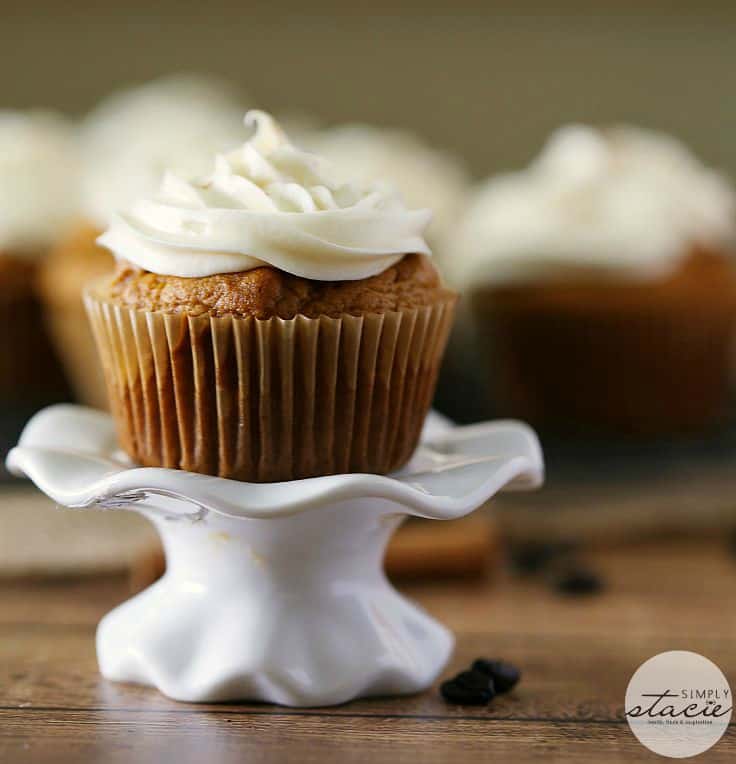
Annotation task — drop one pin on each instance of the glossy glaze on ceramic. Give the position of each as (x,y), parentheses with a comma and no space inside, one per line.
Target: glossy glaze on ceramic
(274,592)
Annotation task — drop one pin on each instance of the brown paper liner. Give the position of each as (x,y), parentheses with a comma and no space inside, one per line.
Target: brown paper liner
(625,361)
(270,400)
(72,336)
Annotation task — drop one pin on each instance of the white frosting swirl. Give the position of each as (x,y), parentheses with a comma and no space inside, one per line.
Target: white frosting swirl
(268,203)
(624,201)
(39,180)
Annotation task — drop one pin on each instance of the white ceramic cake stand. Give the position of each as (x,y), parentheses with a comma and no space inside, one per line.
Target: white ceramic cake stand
(274,592)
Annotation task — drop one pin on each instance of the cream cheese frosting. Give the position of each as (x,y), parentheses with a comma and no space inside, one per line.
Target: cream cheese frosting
(176,122)
(626,201)
(268,203)
(39,180)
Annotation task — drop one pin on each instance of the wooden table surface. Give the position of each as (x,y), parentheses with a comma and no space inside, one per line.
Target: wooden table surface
(577,656)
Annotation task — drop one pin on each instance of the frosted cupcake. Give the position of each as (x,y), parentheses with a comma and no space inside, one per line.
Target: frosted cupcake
(602,283)
(270,321)
(39,195)
(128,140)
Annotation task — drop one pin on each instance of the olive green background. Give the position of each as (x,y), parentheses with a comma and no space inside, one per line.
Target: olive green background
(488,80)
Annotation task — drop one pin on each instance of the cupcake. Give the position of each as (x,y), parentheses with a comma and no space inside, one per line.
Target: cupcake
(73,262)
(38,199)
(270,321)
(424,175)
(602,284)
(176,122)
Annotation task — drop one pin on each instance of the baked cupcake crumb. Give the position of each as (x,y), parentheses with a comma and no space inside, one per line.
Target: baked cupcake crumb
(267,292)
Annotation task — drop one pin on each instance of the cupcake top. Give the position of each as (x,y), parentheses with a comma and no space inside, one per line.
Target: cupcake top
(424,175)
(133,136)
(268,203)
(265,293)
(621,201)
(39,191)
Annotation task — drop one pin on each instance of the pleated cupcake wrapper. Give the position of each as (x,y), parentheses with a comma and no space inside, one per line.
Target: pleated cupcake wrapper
(72,336)
(275,399)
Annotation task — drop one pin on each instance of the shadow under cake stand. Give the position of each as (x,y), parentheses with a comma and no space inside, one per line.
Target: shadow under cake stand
(274,592)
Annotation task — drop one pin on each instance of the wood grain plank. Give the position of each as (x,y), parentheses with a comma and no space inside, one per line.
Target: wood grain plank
(676,587)
(565,678)
(576,655)
(114,737)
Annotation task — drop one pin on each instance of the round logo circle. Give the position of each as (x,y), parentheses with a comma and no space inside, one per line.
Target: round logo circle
(678,704)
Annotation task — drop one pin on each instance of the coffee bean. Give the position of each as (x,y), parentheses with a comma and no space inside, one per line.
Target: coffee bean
(577,581)
(453,692)
(504,675)
(534,557)
(468,688)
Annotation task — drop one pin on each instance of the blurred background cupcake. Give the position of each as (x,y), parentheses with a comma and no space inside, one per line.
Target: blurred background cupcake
(127,141)
(39,196)
(602,285)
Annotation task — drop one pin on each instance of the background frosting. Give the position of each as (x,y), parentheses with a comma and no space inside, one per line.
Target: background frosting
(425,176)
(39,191)
(133,136)
(268,202)
(623,199)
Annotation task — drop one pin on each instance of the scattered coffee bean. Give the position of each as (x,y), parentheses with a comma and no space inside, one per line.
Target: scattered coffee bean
(470,688)
(454,693)
(504,675)
(476,680)
(533,557)
(577,581)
